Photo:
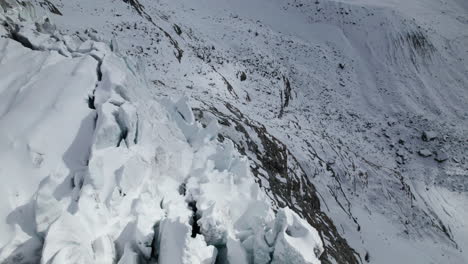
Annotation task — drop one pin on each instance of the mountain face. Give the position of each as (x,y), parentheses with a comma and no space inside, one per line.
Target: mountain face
(216,131)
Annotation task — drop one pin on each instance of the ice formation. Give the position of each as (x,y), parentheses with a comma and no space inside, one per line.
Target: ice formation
(101,171)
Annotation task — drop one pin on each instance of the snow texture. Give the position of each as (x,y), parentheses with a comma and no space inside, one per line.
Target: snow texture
(330,101)
(99,170)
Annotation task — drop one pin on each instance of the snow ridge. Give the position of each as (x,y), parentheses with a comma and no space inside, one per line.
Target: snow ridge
(119,176)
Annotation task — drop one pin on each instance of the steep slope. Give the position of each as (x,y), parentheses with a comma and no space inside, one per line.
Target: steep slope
(96,169)
(332,101)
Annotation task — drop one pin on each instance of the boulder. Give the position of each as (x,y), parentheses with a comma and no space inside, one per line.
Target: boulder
(441,156)
(425,153)
(429,135)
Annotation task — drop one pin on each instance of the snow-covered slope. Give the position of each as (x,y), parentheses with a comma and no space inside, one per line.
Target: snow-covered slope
(352,113)
(96,169)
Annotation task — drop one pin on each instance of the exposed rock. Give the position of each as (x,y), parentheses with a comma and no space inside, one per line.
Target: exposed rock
(429,135)
(400,160)
(400,153)
(391,121)
(441,156)
(177,29)
(425,153)
(242,76)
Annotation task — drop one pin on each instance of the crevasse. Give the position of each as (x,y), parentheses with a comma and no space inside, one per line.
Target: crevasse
(132,179)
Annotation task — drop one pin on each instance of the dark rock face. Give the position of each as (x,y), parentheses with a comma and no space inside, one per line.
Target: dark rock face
(242,76)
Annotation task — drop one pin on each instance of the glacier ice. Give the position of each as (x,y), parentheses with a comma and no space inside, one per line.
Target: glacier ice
(108,187)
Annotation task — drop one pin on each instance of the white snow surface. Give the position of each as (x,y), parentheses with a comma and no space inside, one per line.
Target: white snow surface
(335,100)
(97,169)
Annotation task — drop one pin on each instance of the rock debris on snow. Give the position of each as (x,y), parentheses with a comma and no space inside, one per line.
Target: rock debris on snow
(110,174)
(425,153)
(441,156)
(99,165)
(429,135)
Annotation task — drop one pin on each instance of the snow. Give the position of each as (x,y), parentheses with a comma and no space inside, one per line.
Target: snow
(344,148)
(29,95)
(113,180)
(176,246)
(296,241)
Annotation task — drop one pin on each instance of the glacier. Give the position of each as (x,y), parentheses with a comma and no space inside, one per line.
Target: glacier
(176,131)
(99,170)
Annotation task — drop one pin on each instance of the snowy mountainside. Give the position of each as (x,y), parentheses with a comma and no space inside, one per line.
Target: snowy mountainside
(352,112)
(101,171)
